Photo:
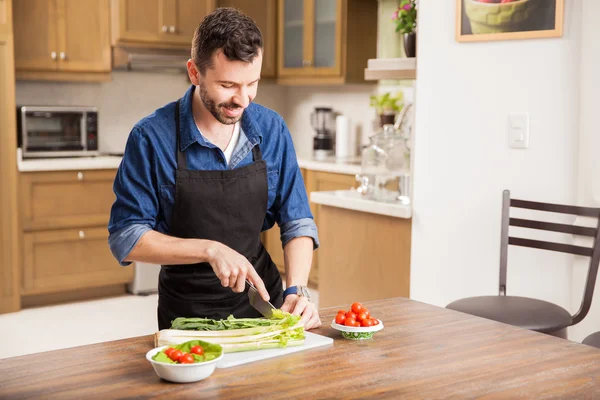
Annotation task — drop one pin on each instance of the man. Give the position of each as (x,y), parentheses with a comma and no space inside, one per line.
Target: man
(202,177)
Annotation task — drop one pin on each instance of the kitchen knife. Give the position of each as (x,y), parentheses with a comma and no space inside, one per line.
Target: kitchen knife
(256,301)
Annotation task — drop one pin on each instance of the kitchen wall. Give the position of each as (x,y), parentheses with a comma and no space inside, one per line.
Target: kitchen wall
(462,161)
(129,97)
(349,100)
(588,186)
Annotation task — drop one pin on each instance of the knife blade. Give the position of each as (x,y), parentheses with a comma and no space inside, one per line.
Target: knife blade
(256,301)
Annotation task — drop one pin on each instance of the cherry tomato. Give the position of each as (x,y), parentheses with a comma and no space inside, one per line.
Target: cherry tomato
(375,321)
(175,354)
(357,308)
(169,351)
(186,358)
(340,319)
(197,350)
(342,312)
(367,313)
(350,314)
(366,322)
(362,316)
(350,321)
(356,323)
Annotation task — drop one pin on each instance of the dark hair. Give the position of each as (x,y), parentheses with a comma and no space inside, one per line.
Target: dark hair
(228,29)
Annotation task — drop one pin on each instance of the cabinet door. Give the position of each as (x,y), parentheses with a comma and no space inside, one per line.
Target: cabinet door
(69,259)
(326,26)
(317,181)
(9,253)
(84,38)
(136,20)
(5,17)
(264,13)
(51,200)
(35,33)
(293,52)
(180,18)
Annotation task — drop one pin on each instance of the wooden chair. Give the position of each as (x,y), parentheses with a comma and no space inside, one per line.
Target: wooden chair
(593,340)
(529,313)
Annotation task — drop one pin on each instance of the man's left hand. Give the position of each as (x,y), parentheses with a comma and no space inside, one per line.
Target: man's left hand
(299,305)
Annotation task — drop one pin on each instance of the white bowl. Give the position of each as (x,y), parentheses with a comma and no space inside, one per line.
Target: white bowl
(357,332)
(182,373)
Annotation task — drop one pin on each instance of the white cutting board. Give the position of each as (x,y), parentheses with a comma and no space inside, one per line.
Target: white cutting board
(311,341)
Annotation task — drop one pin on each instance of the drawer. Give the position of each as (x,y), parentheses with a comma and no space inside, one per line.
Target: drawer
(68,259)
(66,199)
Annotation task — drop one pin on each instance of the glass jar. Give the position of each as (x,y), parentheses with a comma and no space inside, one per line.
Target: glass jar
(384,167)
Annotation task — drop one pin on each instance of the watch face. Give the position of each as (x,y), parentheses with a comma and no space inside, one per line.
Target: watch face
(304,291)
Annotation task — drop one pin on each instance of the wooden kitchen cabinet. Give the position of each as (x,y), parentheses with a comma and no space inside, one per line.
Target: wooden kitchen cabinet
(62,40)
(157,23)
(313,181)
(5,17)
(264,13)
(66,199)
(70,259)
(364,256)
(325,41)
(64,218)
(9,239)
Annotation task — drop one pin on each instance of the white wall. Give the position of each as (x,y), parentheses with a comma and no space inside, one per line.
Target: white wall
(588,188)
(349,100)
(462,161)
(126,99)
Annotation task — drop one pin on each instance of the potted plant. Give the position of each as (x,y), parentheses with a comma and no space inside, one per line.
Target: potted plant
(405,18)
(387,106)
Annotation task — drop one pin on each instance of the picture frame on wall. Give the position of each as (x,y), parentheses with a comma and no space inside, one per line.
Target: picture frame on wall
(488,20)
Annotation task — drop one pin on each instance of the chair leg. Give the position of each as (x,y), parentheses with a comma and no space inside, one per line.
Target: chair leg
(560,333)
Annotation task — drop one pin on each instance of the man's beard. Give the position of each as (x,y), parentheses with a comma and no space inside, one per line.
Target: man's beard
(216,110)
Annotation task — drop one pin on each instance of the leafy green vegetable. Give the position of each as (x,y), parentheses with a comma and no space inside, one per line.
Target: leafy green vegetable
(211,351)
(238,334)
(280,318)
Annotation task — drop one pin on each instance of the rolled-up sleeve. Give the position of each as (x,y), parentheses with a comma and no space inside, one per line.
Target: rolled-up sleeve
(293,215)
(136,207)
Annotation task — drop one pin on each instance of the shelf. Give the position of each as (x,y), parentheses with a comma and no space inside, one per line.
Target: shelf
(391,68)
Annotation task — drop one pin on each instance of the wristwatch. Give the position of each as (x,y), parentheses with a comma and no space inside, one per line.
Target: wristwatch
(298,290)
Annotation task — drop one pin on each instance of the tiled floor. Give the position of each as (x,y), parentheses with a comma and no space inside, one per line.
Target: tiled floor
(67,325)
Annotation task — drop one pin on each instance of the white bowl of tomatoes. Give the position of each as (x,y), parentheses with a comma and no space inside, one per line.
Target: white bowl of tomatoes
(187,362)
(357,323)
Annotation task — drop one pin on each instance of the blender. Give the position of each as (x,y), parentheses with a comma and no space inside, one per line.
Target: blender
(322,120)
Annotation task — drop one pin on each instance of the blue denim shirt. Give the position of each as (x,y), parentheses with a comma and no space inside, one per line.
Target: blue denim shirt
(145,181)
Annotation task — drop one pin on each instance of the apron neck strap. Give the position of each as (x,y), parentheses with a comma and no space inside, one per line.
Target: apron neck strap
(181,159)
(256,153)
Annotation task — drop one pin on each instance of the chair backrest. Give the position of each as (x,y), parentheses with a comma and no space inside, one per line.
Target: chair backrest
(592,252)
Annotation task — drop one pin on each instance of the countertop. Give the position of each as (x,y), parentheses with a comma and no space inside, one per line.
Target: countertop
(423,351)
(350,165)
(67,163)
(353,200)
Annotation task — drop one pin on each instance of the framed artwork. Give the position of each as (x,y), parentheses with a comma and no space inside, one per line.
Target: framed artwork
(485,20)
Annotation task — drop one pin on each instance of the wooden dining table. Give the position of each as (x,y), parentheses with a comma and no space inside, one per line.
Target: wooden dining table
(423,352)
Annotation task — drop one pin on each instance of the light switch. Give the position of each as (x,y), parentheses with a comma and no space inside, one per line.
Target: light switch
(518,130)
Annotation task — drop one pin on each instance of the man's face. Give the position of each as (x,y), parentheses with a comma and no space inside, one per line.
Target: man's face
(228,87)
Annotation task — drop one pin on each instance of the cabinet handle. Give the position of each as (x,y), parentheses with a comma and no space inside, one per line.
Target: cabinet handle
(306,63)
(63,55)
(165,28)
(172,29)
(81,235)
(53,55)
(80,176)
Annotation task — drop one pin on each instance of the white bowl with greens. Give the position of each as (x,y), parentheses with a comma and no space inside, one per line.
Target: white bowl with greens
(196,367)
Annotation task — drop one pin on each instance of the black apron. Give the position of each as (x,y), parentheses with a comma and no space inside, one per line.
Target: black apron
(226,206)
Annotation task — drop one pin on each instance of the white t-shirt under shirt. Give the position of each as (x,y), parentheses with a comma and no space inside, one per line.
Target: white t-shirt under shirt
(232,143)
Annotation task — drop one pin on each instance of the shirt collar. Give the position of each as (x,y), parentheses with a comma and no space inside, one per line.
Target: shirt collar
(190,133)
